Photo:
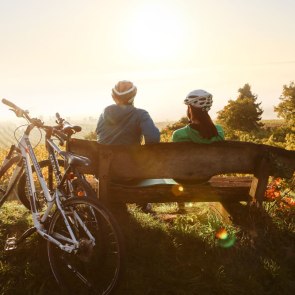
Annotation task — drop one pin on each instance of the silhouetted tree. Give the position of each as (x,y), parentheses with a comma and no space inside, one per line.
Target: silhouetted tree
(242,114)
(286,108)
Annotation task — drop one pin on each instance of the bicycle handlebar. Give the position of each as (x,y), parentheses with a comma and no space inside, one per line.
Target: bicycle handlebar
(61,131)
(67,127)
(18,111)
(10,104)
(60,134)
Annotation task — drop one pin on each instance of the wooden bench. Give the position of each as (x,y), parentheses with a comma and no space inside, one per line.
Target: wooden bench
(194,163)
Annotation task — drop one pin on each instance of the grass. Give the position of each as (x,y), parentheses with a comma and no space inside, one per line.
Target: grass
(170,253)
(24,270)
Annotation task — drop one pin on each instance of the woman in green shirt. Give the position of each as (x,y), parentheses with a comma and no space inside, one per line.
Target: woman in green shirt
(200,129)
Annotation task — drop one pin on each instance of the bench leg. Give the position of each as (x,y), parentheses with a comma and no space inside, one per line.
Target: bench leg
(259,182)
(222,210)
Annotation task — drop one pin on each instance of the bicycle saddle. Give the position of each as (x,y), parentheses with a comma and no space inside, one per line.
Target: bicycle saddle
(75,160)
(70,129)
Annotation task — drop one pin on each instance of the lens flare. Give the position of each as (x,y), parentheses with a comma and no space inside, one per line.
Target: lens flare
(224,239)
(180,188)
(221,234)
(177,190)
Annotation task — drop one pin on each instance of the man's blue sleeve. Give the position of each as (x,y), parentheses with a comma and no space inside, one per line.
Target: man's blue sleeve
(150,132)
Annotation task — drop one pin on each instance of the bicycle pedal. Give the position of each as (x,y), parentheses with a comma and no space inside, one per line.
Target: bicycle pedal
(11,244)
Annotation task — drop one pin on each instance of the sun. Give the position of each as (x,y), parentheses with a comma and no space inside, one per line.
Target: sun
(155,33)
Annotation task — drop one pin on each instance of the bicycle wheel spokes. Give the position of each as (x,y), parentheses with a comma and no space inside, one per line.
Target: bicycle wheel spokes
(97,263)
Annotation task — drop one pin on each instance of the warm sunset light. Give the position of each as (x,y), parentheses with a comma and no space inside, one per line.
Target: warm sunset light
(155,33)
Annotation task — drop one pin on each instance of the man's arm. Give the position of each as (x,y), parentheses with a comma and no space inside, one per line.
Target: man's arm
(149,131)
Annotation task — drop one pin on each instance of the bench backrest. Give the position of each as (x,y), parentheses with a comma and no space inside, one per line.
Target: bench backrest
(186,161)
(183,160)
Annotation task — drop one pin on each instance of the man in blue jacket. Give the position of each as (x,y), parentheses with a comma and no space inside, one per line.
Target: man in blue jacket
(122,123)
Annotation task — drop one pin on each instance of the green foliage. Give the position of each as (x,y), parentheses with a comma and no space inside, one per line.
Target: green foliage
(242,114)
(166,133)
(281,136)
(286,108)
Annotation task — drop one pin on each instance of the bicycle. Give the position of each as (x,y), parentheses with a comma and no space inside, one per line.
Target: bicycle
(84,243)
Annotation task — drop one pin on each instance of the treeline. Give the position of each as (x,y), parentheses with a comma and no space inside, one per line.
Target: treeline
(241,119)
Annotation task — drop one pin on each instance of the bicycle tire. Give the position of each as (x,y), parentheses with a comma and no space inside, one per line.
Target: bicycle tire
(5,174)
(22,186)
(92,269)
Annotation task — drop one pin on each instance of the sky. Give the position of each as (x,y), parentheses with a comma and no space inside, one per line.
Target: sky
(66,55)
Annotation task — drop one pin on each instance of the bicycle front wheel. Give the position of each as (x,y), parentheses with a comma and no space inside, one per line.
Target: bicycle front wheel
(6,173)
(94,268)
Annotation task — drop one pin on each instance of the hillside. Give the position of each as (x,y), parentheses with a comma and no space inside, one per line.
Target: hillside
(9,128)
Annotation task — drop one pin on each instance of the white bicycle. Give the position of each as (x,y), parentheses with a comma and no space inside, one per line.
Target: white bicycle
(85,248)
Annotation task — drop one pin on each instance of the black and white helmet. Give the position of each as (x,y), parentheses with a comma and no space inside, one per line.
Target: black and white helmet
(199,99)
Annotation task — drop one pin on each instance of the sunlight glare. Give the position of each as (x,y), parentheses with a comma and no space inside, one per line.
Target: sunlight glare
(156,33)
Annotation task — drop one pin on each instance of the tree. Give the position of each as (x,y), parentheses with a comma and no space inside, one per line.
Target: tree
(286,108)
(242,114)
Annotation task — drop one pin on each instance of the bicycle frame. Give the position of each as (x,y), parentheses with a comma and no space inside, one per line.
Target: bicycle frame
(53,150)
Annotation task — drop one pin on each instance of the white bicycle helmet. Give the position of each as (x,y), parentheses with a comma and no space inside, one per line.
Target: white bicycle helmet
(124,90)
(200,99)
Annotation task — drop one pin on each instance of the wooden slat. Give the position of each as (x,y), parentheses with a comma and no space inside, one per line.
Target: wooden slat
(185,160)
(199,193)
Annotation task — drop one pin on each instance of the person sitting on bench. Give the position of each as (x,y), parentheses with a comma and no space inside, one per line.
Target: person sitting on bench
(200,129)
(122,123)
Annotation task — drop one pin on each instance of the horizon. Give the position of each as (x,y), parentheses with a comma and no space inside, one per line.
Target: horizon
(268,114)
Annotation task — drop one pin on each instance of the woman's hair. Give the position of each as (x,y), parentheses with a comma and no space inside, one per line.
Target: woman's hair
(205,125)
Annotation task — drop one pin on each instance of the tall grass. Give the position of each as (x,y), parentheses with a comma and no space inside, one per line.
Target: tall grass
(170,253)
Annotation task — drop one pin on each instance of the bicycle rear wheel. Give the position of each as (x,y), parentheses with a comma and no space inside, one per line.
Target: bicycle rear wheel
(93,269)
(5,175)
